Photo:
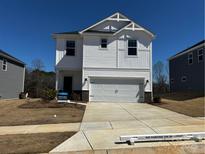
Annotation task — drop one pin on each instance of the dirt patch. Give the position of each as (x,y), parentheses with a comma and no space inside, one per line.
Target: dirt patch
(21,112)
(194,107)
(32,143)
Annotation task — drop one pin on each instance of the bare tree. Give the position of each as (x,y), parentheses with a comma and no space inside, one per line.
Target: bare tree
(160,77)
(37,64)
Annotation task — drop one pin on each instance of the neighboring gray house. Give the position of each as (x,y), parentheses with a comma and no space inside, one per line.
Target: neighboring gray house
(186,69)
(12,74)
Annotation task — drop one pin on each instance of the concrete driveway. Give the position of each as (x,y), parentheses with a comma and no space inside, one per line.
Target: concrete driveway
(103,123)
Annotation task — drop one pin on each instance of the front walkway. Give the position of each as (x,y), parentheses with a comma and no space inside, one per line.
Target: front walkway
(45,128)
(104,123)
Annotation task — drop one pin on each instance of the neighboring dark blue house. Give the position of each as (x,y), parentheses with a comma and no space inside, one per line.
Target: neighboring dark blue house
(186,69)
(12,74)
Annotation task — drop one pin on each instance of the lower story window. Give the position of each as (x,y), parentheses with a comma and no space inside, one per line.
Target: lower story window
(183,79)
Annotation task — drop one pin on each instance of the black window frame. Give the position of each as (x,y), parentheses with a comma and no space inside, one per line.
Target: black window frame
(4,64)
(200,55)
(132,47)
(103,43)
(190,59)
(70,48)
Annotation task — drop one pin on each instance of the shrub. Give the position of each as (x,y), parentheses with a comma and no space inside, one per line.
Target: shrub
(157,99)
(22,95)
(48,94)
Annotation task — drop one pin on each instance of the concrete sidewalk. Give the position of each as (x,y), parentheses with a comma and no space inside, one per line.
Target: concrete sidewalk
(45,128)
(104,123)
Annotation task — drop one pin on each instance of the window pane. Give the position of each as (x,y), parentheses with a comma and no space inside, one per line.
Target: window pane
(70,52)
(70,44)
(132,51)
(103,45)
(201,58)
(104,41)
(4,61)
(190,55)
(132,43)
(190,61)
(4,67)
(200,52)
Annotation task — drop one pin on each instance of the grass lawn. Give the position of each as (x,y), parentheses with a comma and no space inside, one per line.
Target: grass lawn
(23,112)
(185,103)
(32,143)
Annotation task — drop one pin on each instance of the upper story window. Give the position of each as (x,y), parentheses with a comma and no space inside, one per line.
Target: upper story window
(70,48)
(190,58)
(132,47)
(103,43)
(4,65)
(200,55)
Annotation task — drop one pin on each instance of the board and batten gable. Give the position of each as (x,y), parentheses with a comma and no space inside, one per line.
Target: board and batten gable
(11,80)
(69,62)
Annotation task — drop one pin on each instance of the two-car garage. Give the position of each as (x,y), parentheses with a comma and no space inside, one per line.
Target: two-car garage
(116,89)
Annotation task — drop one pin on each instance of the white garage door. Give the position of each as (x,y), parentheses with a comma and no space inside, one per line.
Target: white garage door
(116,90)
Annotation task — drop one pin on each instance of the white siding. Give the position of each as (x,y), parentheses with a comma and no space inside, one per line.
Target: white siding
(94,56)
(116,55)
(76,77)
(69,62)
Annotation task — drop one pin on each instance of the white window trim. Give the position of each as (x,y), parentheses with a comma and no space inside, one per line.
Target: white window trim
(184,77)
(200,55)
(4,60)
(101,44)
(191,53)
(131,56)
(70,48)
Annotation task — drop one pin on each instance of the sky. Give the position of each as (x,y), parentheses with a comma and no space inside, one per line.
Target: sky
(26,25)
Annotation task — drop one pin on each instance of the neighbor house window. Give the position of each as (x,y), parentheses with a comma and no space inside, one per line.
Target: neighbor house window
(190,58)
(200,55)
(183,79)
(132,47)
(70,48)
(4,65)
(103,43)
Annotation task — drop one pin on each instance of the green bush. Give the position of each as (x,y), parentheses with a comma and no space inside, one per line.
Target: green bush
(49,94)
(157,99)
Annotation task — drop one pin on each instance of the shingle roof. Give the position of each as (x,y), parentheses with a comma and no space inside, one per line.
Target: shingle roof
(71,32)
(179,53)
(103,32)
(8,56)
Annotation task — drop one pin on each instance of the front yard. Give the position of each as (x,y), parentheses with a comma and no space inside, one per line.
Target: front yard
(184,103)
(32,143)
(23,112)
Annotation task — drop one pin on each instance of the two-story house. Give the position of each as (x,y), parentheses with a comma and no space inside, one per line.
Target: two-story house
(186,69)
(12,75)
(108,61)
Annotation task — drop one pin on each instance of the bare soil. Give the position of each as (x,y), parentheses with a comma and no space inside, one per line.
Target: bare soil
(32,143)
(184,103)
(24,112)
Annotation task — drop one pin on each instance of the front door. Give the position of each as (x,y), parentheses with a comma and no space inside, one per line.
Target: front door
(67,85)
